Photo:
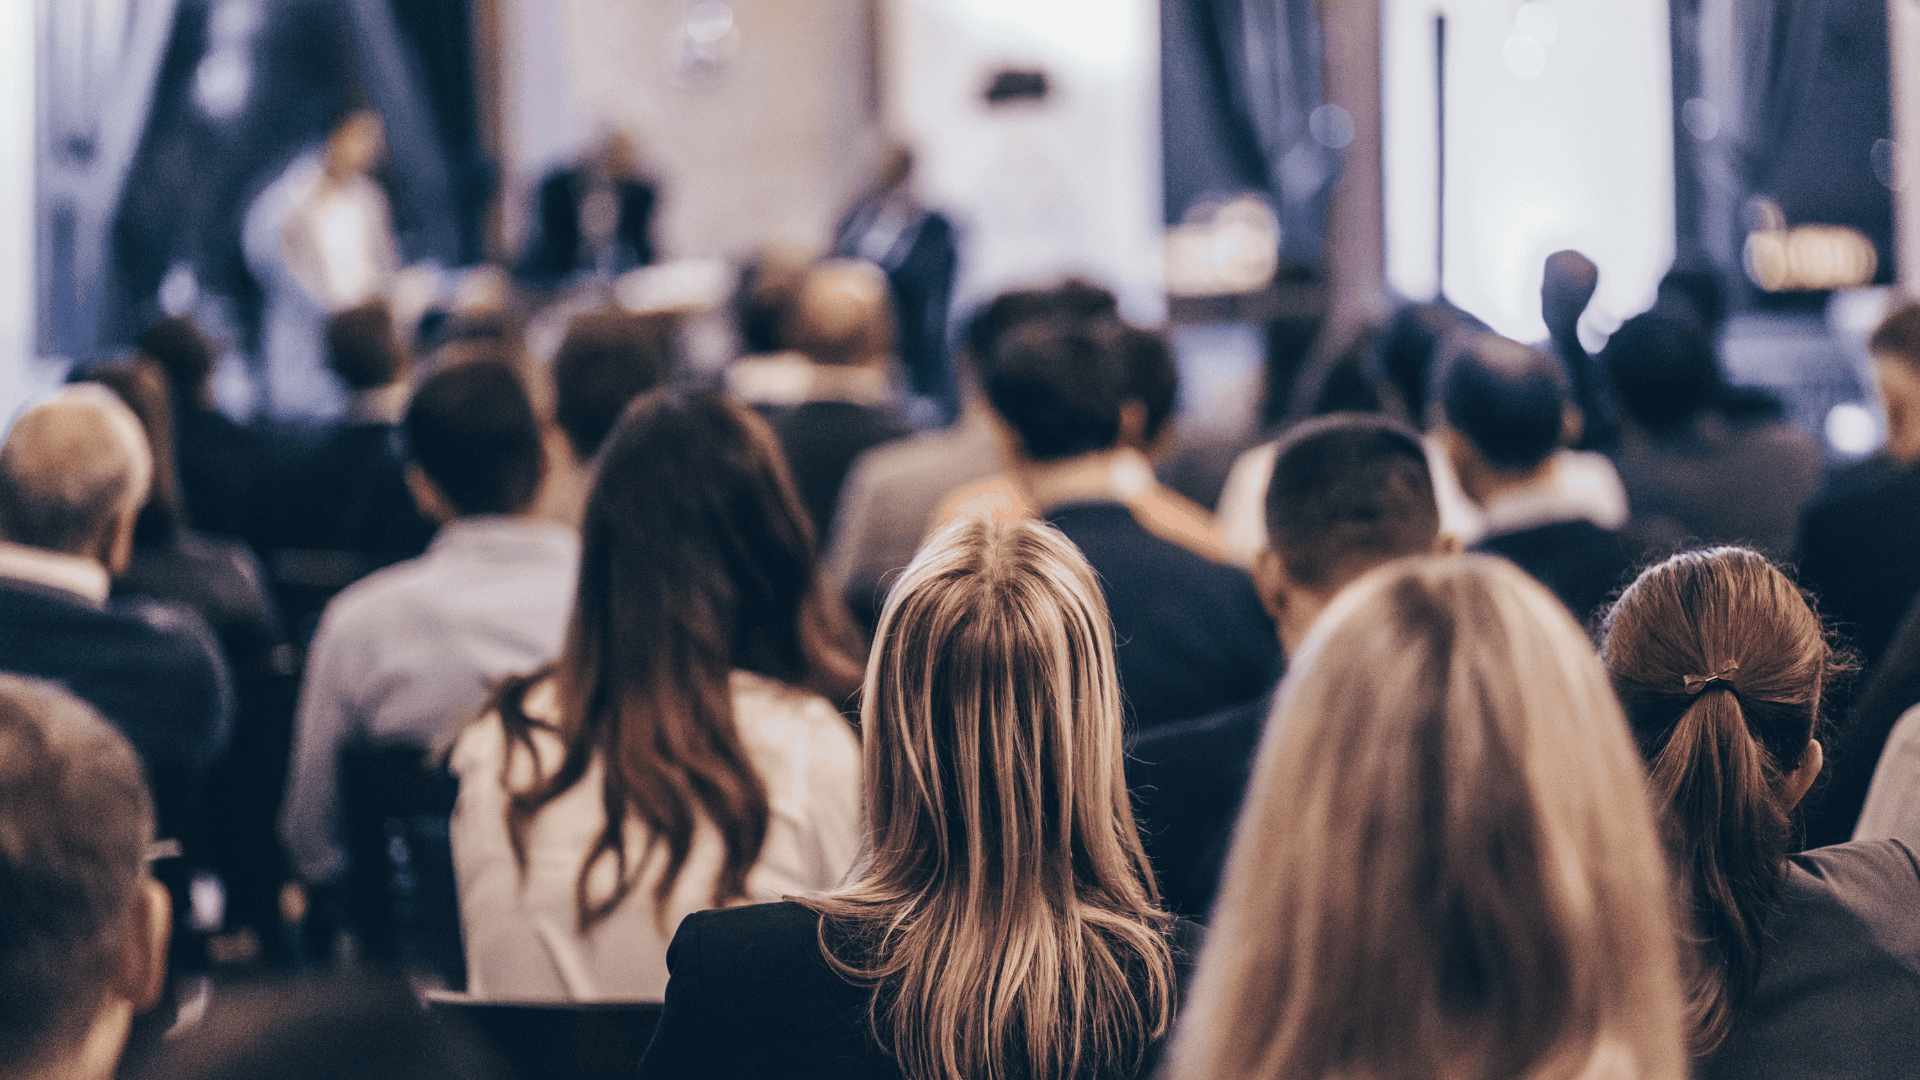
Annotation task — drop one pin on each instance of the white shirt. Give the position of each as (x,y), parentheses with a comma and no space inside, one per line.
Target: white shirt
(411,652)
(521,930)
(1893,801)
(81,576)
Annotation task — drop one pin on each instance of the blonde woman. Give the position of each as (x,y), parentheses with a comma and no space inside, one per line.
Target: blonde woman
(1446,866)
(1002,922)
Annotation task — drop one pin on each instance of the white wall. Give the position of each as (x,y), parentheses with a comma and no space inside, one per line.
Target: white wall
(770,146)
(1069,186)
(1565,143)
(19,375)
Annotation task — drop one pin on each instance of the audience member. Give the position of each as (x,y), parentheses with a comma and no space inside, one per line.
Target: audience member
(609,357)
(1803,965)
(1567,285)
(405,656)
(892,491)
(686,751)
(1505,408)
(74,472)
(842,324)
(343,511)
(1892,806)
(220,580)
(1192,636)
(1001,863)
(1691,476)
(595,216)
(1871,774)
(221,478)
(83,941)
(1857,547)
(1349,492)
(1446,865)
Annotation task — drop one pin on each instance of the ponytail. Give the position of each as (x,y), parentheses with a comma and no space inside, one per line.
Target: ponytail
(1719,791)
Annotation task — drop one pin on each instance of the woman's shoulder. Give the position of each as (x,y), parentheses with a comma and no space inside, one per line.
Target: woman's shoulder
(480,746)
(758,948)
(1870,869)
(778,716)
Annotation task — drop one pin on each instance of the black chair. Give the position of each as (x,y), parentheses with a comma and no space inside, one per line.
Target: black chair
(557,1040)
(401,901)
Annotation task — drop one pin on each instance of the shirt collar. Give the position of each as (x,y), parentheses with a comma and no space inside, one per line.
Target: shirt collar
(1545,503)
(75,574)
(487,530)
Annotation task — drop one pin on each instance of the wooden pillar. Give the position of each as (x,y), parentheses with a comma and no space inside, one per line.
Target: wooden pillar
(1355,258)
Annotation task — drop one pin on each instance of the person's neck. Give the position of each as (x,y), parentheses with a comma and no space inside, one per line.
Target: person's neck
(1486,485)
(1102,476)
(1296,619)
(96,1056)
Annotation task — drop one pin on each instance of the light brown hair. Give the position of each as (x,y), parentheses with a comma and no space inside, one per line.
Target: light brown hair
(1005,912)
(1446,865)
(1720,756)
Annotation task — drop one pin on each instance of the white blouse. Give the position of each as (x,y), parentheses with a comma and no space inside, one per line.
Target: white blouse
(521,931)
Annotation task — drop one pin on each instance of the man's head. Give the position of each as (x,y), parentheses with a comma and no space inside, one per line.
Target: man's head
(1664,369)
(842,315)
(1349,492)
(1566,287)
(186,354)
(609,357)
(473,440)
(1895,348)
(1061,387)
(1153,384)
(84,934)
(363,349)
(1072,301)
(74,472)
(1505,407)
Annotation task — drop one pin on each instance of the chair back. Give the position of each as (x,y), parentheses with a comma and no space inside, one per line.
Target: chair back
(557,1040)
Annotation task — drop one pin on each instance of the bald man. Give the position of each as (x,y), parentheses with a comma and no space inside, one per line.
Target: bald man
(842,322)
(74,471)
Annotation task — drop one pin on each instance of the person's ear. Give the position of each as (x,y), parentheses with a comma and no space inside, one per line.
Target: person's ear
(142,973)
(433,503)
(1271,581)
(116,547)
(1802,777)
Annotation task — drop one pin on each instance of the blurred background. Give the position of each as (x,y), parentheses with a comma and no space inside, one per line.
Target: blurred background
(1267,176)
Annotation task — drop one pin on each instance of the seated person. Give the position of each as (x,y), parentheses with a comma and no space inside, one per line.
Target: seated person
(889,501)
(407,655)
(608,357)
(1000,863)
(1192,637)
(74,472)
(1447,865)
(844,403)
(1803,964)
(1692,476)
(696,703)
(1504,409)
(1349,492)
(222,465)
(84,944)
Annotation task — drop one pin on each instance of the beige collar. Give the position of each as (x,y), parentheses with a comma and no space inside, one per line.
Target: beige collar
(69,573)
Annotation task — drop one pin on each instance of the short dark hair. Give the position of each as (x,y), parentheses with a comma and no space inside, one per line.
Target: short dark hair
(1508,400)
(1072,299)
(1349,491)
(183,352)
(471,429)
(75,825)
(1153,377)
(362,347)
(1060,386)
(1664,369)
(1898,336)
(609,357)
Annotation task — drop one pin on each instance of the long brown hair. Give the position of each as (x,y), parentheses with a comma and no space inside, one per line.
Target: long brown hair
(696,559)
(1005,912)
(1446,864)
(1720,750)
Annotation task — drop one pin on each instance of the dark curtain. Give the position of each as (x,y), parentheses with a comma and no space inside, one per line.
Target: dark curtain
(1239,80)
(193,177)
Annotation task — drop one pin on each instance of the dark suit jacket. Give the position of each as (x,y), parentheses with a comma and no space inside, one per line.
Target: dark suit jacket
(553,249)
(751,997)
(1188,780)
(821,439)
(1189,635)
(222,472)
(1578,561)
(1860,550)
(153,670)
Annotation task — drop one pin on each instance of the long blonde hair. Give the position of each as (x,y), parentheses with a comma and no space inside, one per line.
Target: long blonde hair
(1004,911)
(1446,864)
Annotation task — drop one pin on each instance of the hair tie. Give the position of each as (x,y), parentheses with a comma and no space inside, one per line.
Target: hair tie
(1696,683)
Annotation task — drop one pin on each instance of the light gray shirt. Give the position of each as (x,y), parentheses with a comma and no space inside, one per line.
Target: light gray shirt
(409,653)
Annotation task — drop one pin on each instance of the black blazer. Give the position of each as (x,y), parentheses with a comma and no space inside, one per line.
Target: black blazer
(751,997)
(1578,561)
(1187,780)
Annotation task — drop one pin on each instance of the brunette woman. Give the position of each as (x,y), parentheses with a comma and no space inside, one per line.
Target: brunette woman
(687,749)
(1803,965)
